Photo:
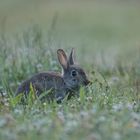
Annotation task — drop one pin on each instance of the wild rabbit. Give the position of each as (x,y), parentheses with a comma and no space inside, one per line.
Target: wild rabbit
(61,85)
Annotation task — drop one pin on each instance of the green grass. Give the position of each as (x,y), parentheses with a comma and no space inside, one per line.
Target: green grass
(106,37)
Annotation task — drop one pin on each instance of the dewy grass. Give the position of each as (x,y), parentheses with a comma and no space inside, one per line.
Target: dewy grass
(108,108)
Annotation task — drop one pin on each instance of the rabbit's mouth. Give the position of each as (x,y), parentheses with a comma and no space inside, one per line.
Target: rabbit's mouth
(87,82)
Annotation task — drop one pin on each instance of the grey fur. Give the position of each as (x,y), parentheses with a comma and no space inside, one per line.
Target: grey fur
(61,85)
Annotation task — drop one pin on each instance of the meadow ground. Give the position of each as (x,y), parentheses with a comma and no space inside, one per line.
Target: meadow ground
(106,37)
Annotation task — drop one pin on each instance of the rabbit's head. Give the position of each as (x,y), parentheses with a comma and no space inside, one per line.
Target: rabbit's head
(73,75)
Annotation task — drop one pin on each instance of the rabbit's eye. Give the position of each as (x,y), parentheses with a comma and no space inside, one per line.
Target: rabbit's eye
(74,73)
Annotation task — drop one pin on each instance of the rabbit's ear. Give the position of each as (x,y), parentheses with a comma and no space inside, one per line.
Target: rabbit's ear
(62,58)
(71,57)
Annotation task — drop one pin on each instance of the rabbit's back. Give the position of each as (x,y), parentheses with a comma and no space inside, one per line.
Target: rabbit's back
(42,82)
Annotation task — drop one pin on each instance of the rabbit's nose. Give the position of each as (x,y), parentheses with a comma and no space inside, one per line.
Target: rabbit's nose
(87,82)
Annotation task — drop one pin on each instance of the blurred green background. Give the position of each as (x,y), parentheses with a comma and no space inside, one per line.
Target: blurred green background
(107,25)
(88,21)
